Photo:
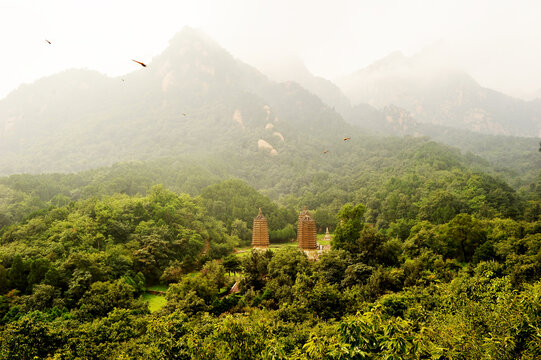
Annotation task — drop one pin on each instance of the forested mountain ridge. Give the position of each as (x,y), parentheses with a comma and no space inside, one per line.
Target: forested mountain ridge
(408,178)
(193,98)
(515,158)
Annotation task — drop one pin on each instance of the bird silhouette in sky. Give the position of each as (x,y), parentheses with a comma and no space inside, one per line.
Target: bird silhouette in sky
(140,63)
(325,151)
(48,42)
(346,138)
(184,114)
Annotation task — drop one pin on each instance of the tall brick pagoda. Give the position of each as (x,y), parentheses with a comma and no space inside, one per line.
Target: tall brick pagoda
(260,232)
(306,231)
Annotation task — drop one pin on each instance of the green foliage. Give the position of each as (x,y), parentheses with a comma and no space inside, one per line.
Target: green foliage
(231,263)
(198,293)
(18,274)
(240,230)
(462,236)
(64,252)
(428,181)
(28,338)
(255,269)
(333,265)
(103,297)
(348,230)
(288,233)
(233,200)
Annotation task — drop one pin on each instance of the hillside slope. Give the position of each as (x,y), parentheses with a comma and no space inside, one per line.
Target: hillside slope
(193,98)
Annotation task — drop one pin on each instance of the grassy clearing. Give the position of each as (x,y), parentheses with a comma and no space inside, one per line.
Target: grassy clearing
(284,245)
(247,250)
(155,302)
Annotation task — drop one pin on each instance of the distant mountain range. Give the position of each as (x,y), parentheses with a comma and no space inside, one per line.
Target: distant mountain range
(291,68)
(422,92)
(442,96)
(196,99)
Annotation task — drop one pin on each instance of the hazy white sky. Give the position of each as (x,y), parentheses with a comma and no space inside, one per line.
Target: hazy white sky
(498,42)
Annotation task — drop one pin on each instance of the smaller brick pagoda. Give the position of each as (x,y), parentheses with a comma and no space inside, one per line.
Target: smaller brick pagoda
(260,232)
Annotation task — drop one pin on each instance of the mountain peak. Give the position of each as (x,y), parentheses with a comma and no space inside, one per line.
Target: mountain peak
(194,60)
(189,35)
(191,48)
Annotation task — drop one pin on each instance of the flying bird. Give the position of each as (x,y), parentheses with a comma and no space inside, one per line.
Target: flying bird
(325,151)
(48,42)
(184,114)
(140,63)
(346,138)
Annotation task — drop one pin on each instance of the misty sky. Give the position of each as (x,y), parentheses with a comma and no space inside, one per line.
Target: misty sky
(497,42)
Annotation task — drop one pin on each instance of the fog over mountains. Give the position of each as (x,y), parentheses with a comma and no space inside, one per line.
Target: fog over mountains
(195,98)
(431,93)
(442,96)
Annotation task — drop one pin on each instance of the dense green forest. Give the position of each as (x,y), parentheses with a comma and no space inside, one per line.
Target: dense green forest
(396,178)
(431,258)
(72,277)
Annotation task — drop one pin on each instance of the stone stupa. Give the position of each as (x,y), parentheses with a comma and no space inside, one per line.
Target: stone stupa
(327,235)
